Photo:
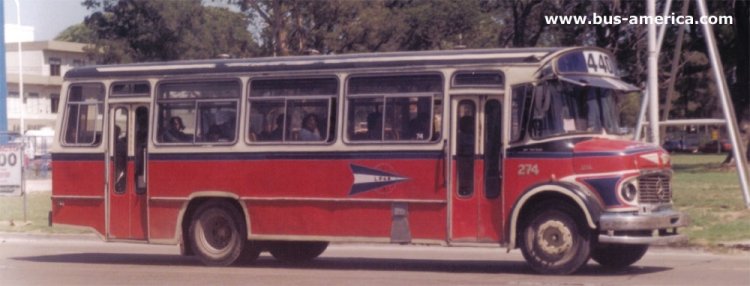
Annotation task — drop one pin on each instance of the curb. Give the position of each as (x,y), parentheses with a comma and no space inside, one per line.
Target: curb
(47,236)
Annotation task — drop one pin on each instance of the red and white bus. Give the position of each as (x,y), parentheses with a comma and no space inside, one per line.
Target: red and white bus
(525,148)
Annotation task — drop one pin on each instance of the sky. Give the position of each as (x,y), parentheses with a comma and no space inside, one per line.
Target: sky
(49,17)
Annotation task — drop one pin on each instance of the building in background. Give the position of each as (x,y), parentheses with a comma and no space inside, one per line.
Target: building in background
(15,33)
(44,65)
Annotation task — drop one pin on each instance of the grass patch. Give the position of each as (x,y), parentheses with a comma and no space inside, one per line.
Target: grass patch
(710,194)
(39,204)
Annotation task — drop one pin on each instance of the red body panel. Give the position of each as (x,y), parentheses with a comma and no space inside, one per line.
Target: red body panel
(476,218)
(127,210)
(78,197)
(305,197)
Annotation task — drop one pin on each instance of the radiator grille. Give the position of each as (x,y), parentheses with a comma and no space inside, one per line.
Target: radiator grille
(655,189)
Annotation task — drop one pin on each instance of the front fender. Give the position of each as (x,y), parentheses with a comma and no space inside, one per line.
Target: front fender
(586,202)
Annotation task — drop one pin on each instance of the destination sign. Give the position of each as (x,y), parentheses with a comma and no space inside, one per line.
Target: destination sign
(587,61)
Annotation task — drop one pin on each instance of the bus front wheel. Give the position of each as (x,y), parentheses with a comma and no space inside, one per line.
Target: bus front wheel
(553,243)
(217,235)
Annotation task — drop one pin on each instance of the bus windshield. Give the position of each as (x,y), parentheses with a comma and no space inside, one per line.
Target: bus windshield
(562,108)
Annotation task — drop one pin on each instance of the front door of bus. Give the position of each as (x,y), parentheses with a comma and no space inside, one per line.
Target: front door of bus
(476,165)
(128,134)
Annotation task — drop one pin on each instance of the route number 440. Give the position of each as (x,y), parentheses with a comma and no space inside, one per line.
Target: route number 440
(528,169)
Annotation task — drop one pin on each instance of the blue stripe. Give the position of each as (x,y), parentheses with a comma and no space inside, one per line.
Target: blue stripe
(605,187)
(540,155)
(77,157)
(356,169)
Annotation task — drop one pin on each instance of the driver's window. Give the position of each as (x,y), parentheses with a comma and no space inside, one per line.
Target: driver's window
(520,103)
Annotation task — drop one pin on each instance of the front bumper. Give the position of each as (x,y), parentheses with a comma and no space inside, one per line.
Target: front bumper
(642,228)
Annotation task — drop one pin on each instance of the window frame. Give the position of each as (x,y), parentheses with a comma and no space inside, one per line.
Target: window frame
(54,108)
(55,66)
(524,110)
(158,101)
(66,116)
(331,104)
(112,93)
(455,85)
(435,96)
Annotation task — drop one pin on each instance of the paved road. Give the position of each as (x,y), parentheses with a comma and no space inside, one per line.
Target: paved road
(31,260)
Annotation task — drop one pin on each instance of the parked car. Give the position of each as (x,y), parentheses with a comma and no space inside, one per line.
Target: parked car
(679,146)
(716,147)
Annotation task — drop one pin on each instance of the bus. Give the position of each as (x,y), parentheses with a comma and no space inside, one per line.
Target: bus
(518,148)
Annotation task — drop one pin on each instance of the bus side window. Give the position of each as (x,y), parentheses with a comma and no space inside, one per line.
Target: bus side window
(292,110)
(197,112)
(397,108)
(84,115)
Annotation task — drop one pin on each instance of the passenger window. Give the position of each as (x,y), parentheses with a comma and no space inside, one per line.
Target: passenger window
(295,110)
(198,113)
(394,108)
(84,115)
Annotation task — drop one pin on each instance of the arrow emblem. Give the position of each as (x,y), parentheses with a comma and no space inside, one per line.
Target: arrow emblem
(367,179)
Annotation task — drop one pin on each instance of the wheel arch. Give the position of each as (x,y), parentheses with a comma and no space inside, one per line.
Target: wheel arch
(194,202)
(561,191)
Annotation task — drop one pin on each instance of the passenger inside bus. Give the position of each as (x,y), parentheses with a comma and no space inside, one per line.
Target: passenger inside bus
(214,134)
(419,127)
(374,128)
(121,155)
(174,131)
(277,133)
(309,131)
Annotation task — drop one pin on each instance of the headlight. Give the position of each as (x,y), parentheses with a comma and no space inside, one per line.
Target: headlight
(629,191)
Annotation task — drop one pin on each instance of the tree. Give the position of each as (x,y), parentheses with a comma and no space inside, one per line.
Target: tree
(140,30)
(78,33)
(342,26)
(741,90)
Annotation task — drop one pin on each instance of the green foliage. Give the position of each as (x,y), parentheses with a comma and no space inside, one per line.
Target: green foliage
(141,30)
(78,33)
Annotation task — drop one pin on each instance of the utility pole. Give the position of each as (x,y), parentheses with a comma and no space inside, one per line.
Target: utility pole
(3,81)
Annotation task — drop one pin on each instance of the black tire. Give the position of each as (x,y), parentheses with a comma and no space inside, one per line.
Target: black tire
(297,251)
(618,256)
(217,233)
(552,242)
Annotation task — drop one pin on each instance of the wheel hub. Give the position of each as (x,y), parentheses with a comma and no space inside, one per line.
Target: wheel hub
(554,238)
(220,233)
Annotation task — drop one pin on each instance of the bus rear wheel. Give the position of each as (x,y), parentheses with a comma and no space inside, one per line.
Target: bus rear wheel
(297,251)
(553,243)
(217,234)
(618,256)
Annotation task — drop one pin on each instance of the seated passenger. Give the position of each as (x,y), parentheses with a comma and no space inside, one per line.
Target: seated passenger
(276,134)
(214,134)
(374,128)
(174,131)
(309,131)
(419,127)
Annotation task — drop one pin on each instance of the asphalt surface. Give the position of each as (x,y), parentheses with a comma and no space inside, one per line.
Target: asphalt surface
(84,260)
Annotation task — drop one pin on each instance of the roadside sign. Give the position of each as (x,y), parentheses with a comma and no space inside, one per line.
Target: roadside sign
(11,162)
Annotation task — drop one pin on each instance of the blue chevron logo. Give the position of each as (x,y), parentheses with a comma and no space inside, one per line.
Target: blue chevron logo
(367,179)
